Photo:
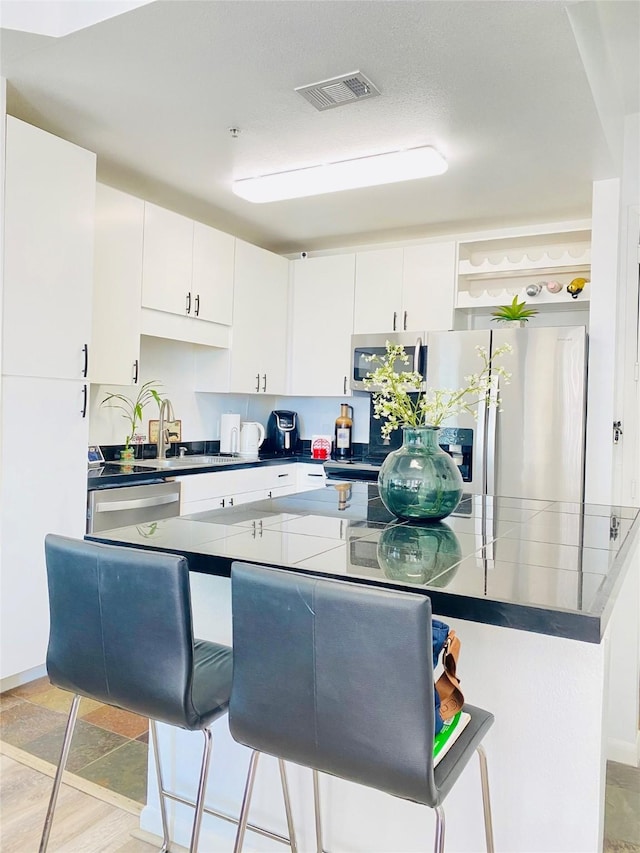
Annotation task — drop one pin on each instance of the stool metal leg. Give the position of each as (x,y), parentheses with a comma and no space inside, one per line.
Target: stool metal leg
(153,728)
(317,812)
(438,847)
(202,786)
(287,807)
(64,753)
(246,801)
(486,802)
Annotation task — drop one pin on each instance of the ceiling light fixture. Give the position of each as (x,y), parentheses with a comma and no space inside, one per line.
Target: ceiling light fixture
(390,168)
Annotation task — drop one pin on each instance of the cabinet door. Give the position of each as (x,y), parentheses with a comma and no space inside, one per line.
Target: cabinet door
(167,261)
(48,253)
(43,491)
(309,477)
(378,291)
(117,282)
(428,287)
(321,350)
(258,349)
(212,281)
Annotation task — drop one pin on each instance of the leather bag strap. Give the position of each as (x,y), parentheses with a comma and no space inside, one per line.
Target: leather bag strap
(448,685)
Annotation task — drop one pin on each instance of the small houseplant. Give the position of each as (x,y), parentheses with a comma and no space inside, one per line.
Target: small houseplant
(515,312)
(132,410)
(420,480)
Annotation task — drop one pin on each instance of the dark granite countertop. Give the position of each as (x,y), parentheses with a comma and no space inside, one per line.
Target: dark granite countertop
(117,474)
(542,566)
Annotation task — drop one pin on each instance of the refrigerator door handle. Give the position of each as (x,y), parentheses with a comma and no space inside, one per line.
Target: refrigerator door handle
(480,447)
(417,353)
(491,436)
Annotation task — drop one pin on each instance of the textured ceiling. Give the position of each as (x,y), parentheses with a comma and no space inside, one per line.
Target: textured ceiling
(498,87)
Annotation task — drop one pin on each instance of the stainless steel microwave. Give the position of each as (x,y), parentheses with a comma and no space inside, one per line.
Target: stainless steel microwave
(363,347)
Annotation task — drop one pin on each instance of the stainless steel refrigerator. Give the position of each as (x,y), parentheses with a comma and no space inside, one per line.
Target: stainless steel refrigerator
(534,446)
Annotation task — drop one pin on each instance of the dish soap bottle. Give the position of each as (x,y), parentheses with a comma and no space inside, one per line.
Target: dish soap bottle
(343,441)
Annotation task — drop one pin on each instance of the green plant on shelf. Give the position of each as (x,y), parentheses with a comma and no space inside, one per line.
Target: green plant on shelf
(132,408)
(515,311)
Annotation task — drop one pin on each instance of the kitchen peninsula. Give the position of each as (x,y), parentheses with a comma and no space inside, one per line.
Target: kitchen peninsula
(530,587)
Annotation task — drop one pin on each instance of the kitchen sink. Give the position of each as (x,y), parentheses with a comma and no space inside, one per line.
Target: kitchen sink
(180,461)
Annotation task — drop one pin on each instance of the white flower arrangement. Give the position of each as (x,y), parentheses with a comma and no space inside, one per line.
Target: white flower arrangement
(400,398)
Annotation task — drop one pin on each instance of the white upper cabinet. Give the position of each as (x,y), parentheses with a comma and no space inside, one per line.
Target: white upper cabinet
(117,283)
(259,341)
(212,280)
(48,254)
(187,267)
(167,260)
(321,351)
(410,289)
(378,291)
(428,287)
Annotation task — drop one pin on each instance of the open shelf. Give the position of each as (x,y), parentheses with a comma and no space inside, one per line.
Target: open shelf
(492,272)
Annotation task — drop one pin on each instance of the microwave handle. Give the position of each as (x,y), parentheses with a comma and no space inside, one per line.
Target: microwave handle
(416,355)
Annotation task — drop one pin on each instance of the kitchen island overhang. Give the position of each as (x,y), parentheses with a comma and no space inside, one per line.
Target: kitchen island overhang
(541,566)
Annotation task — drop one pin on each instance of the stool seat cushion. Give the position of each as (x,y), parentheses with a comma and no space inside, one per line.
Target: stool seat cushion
(211,687)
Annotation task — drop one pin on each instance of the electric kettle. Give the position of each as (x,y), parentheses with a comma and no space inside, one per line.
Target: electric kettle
(251,437)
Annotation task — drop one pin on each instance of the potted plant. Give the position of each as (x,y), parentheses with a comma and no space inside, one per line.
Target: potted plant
(515,312)
(132,410)
(419,480)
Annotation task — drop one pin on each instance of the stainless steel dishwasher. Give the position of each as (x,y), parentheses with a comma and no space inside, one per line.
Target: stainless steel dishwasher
(122,506)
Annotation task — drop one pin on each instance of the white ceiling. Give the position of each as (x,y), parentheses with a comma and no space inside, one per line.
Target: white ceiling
(498,86)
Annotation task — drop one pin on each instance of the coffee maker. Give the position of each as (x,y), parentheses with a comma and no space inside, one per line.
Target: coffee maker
(282,433)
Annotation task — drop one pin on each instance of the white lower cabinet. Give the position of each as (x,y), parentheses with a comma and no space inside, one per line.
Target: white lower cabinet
(44,490)
(216,489)
(309,477)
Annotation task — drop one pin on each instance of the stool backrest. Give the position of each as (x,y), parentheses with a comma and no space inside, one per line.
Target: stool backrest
(336,676)
(121,628)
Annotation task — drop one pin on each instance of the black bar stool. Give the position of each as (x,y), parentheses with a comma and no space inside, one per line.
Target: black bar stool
(338,677)
(121,633)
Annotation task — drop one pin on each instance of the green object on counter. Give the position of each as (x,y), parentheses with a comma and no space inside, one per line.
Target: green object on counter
(427,554)
(420,480)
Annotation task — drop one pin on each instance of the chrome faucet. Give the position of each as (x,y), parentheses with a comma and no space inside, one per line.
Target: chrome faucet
(166,416)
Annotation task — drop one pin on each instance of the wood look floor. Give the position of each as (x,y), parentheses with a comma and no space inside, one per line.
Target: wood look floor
(83,824)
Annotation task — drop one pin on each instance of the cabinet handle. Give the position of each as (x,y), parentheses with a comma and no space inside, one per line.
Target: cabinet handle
(197,309)
(257,381)
(85,396)
(222,502)
(269,495)
(395,320)
(344,386)
(85,369)
(283,475)
(264,383)
(135,372)
(315,475)
(230,501)
(189,302)
(404,322)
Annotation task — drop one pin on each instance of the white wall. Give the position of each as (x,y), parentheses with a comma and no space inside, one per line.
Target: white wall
(602,335)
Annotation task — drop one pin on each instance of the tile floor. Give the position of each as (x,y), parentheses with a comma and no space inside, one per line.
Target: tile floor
(109,746)
(110,749)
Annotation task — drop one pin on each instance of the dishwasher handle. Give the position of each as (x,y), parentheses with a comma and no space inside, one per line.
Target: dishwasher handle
(136,503)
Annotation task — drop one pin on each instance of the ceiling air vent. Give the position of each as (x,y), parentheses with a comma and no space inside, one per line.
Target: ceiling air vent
(338,91)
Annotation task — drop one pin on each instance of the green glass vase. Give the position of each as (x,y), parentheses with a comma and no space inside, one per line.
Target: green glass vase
(420,554)
(420,480)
